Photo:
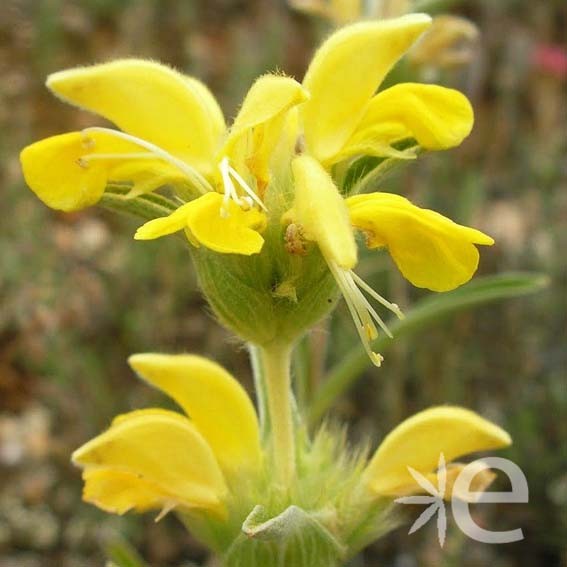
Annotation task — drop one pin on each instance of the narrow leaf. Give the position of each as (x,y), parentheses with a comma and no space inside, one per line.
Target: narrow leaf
(424,314)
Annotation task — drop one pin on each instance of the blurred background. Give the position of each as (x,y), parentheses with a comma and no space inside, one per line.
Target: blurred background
(78,294)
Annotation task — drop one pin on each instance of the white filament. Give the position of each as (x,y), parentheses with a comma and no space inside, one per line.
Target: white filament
(362,312)
(191,173)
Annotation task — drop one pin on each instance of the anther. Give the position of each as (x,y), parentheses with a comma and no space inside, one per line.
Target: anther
(247,201)
(363,314)
(87,142)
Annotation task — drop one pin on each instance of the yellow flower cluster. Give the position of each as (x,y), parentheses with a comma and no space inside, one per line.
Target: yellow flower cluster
(162,460)
(173,132)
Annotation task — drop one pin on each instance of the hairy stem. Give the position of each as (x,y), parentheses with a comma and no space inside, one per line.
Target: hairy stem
(276,364)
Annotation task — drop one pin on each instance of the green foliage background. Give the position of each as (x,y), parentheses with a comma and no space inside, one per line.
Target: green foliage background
(78,295)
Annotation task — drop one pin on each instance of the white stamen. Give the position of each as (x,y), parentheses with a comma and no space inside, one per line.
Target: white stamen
(246,202)
(387,304)
(198,180)
(246,188)
(167,508)
(365,306)
(362,312)
(229,189)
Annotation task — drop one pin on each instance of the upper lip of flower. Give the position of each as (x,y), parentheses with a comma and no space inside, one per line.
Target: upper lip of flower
(417,443)
(197,456)
(172,130)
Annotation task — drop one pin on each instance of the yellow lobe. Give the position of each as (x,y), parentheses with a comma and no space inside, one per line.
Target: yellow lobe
(257,128)
(479,477)
(344,75)
(448,42)
(345,11)
(217,404)
(164,226)
(430,250)
(52,171)
(237,232)
(437,117)
(418,442)
(60,172)
(150,101)
(118,492)
(321,211)
(339,12)
(161,448)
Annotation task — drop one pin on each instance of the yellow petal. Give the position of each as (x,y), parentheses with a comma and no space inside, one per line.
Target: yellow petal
(59,172)
(164,226)
(150,101)
(345,73)
(390,8)
(479,475)
(237,233)
(257,128)
(321,211)
(419,441)
(52,171)
(448,42)
(286,147)
(160,448)
(118,491)
(339,12)
(216,403)
(437,117)
(430,250)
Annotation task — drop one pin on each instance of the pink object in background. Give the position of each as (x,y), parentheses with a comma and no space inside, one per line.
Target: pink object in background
(551,59)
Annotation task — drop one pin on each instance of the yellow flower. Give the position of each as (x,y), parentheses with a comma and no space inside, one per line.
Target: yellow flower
(341,123)
(344,116)
(418,442)
(214,469)
(158,459)
(449,42)
(172,132)
(341,12)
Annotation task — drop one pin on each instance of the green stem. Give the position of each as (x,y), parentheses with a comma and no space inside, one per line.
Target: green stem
(260,389)
(276,364)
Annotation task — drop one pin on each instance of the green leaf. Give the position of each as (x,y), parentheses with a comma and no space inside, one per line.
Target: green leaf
(424,314)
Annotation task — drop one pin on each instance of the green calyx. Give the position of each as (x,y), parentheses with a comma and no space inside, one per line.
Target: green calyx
(266,297)
(272,296)
(325,515)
